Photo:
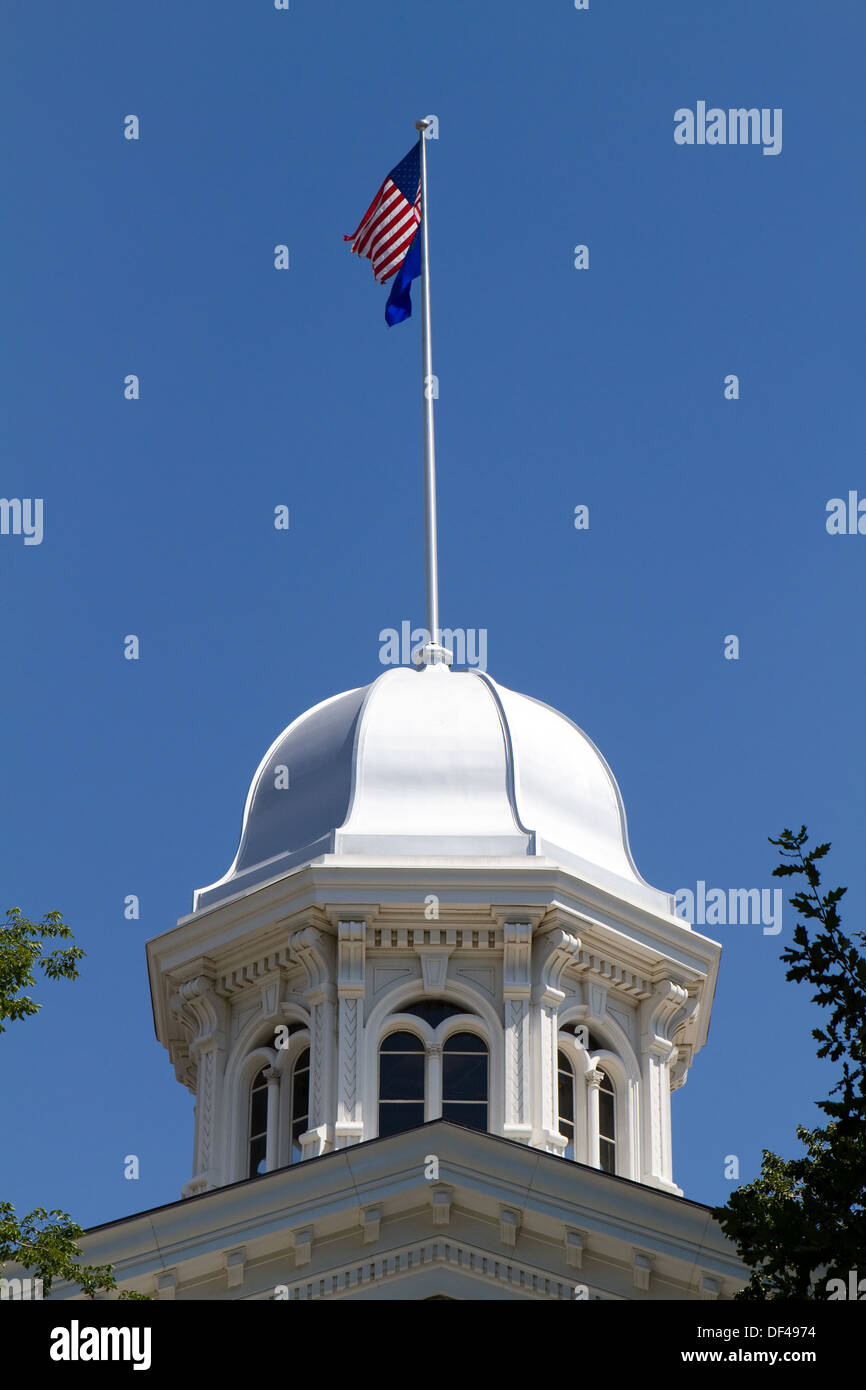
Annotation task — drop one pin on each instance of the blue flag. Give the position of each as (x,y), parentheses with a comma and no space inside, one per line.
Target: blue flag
(399,306)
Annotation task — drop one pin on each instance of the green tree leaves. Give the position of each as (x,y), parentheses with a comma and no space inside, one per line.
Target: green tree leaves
(43,1242)
(804,1219)
(22,948)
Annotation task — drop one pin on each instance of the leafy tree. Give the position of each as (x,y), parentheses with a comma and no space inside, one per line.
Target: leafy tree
(803,1220)
(22,946)
(43,1241)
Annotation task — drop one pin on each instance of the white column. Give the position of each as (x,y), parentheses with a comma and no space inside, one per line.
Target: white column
(208,1074)
(546,1026)
(351,987)
(656,1113)
(593,1085)
(517,989)
(433,1082)
(273,1122)
(350,1125)
(315,951)
(207,1011)
(553,951)
(669,1007)
(321,1003)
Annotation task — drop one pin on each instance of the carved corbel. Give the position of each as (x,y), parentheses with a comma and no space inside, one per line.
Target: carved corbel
(669,1010)
(351,952)
(517,960)
(200,1000)
(314,951)
(553,952)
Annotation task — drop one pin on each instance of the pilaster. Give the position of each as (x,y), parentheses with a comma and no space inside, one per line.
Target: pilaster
(351,988)
(196,999)
(552,952)
(517,992)
(669,1006)
(314,950)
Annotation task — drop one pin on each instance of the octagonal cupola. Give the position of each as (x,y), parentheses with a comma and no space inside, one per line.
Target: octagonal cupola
(433,913)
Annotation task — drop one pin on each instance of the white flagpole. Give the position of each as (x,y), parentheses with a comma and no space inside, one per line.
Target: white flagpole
(432,566)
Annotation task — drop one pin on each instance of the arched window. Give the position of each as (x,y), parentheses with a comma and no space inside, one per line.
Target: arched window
(300,1103)
(401,1083)
(566,1102)
(258,1128)
(464,1080)
(606,1124)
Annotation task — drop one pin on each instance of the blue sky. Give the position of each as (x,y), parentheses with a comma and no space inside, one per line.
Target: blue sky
(558,387)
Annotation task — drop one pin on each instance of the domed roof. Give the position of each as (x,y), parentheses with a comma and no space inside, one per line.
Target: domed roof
(435,762)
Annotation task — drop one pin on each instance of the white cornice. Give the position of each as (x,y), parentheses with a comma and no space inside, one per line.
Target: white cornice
(325,1198)
(256,924)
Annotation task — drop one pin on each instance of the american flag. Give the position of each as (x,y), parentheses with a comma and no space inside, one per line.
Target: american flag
(391,221)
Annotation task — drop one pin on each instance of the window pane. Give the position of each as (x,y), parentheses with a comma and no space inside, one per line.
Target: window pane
(300,1095)
(464,1078)
(300,1103)
(402,1042)
(395,1116)
(257,1156)
(607,1156)
(472,1114)
(299,1127)
(606,1120)
(566,1090)
(401,1077)
(465,1042)
(258,1112)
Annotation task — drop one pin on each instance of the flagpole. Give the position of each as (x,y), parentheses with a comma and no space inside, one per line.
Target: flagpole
(432,567)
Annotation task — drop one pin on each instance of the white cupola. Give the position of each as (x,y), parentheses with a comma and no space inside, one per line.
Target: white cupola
(433,913)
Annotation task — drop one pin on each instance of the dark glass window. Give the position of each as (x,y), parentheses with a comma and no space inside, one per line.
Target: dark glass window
(566,1103)
(401,1083)
(300,1103)
(258,1142)
(464,1080)
(434,1011)
(607,1124)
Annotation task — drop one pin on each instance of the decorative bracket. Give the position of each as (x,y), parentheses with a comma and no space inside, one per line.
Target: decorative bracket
(313,949)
